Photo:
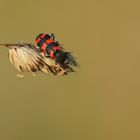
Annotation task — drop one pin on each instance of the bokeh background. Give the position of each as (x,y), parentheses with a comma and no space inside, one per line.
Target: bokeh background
(101,100)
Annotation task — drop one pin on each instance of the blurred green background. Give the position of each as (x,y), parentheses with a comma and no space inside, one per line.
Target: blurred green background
(101,100)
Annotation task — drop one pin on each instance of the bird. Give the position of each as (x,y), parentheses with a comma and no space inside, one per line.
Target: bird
(27,57)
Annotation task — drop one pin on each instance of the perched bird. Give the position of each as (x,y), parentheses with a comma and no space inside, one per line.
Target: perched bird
(44,57)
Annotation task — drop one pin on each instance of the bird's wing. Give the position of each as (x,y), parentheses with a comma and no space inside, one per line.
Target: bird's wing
(25,57)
